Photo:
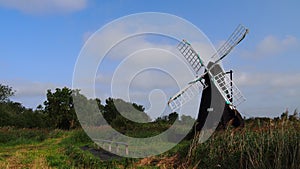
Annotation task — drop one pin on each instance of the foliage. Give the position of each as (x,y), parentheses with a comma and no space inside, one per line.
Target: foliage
(172,117)
(115,107)
(59,113)
(60,109)
(88,111)
(77,137)
(5,92)
(14,114)
(11,136)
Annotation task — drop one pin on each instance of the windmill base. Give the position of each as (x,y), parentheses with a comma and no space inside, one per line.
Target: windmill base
(229,116)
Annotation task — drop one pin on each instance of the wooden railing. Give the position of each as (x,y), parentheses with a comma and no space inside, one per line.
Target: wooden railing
(111,143)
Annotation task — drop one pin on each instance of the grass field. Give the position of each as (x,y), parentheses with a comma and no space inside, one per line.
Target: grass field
(25,148)
(32,148)
(260,145)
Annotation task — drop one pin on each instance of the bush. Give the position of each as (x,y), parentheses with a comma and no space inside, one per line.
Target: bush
(11,136)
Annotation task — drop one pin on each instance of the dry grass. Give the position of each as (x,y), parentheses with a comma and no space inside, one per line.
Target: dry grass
(263,145)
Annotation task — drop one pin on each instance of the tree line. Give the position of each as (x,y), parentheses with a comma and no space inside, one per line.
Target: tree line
(58,112)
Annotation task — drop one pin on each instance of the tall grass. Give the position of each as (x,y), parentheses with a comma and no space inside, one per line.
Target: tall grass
(272,145)
(12,136)
(263,145)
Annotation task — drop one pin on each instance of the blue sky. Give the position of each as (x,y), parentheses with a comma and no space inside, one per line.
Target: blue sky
(40,42)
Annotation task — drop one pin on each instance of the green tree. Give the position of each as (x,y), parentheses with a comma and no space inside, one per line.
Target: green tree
(130,110)
(5,116)
(88,110)
(284,115)
(5,92)
(172,117)
(100,106)
(60,109)
(138,107)
(15,114)
(185,119)
(294,116)
(110,112)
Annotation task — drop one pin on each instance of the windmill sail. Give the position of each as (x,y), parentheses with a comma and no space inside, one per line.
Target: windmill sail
(190,55)
(184,95)
(236,37)
(228,89)
(221,81)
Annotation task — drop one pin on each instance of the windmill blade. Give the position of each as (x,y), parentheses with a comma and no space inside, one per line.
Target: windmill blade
(185,95)
(221,81)
(236,37)
(194,59)
(190,55)
(228,89)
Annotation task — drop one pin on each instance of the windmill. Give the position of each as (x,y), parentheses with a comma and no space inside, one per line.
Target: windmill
(213,77)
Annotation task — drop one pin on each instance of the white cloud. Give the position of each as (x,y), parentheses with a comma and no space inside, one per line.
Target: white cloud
(26,88)
(125,36)
(280,80)
(268,94)
(44,6)
(137,52)
(146,70)
(272,89)
(272,45)
(30,93)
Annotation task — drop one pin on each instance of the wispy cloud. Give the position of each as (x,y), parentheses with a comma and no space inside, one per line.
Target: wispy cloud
(44,6)
(272,79)
(145,71)
(273,84)
(30,93)
(132,54)
(268,93)
(268,86)
(272,45)
(26,88)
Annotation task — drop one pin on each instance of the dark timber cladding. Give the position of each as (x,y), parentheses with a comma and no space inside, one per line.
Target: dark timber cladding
(206,99)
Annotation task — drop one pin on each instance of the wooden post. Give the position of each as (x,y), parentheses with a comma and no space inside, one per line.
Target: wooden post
(109,147)
(117,147)
(126,150)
